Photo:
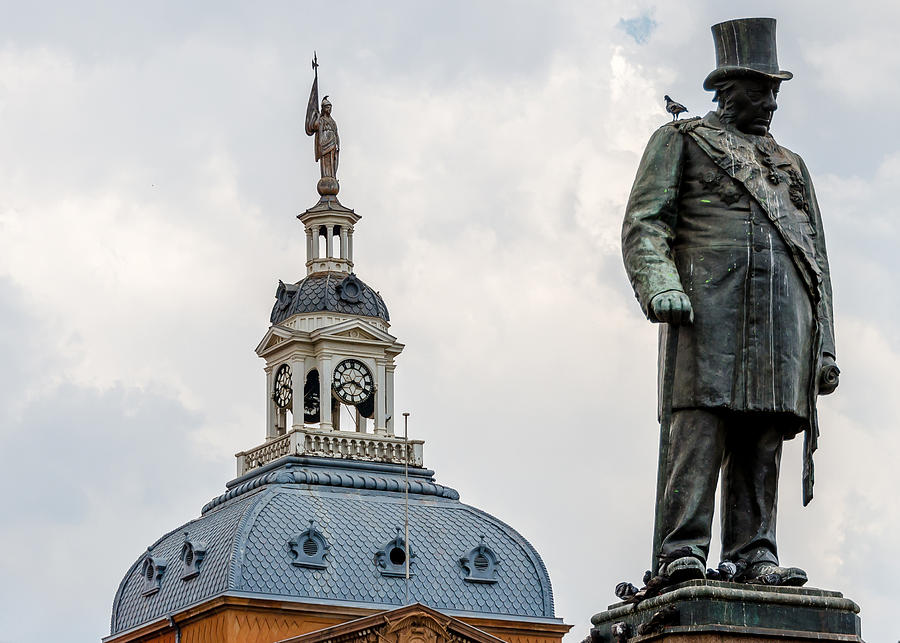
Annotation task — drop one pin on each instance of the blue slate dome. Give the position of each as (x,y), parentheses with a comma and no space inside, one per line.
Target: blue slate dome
(326,531)
(332,291)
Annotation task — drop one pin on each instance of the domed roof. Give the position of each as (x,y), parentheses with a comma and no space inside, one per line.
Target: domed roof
(253,540)
(334,291)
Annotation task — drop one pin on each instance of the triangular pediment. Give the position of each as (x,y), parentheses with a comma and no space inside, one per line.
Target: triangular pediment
(275,336)
(355,330)
(411,624)
(357,333)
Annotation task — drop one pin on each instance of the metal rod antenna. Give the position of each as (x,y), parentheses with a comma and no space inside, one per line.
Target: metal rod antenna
(406,504)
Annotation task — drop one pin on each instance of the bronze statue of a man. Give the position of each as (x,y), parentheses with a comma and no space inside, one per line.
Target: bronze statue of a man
(723,243)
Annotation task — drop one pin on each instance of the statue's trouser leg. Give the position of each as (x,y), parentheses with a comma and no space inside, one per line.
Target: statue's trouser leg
(750,488)
(696,450)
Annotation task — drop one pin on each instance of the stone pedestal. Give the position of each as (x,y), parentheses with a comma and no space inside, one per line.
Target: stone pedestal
(716,612)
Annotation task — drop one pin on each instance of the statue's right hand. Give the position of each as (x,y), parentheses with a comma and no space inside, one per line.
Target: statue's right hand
(672,307)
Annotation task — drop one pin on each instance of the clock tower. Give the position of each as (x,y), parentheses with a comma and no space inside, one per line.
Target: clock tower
(329,355)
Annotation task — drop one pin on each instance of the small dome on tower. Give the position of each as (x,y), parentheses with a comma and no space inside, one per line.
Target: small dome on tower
(328,291)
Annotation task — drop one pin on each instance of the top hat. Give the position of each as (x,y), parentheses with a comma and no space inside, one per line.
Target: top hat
(745,47)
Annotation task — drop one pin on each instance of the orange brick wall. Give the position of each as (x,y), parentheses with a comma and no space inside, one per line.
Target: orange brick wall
(254,621)
(519,632)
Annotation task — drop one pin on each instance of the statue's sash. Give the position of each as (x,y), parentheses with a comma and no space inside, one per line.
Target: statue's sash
(767,170)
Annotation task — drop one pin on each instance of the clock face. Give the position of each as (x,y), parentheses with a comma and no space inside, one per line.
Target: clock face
(284,392)
(352,382)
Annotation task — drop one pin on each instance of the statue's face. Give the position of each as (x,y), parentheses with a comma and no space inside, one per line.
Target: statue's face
(326,109)
(750,102)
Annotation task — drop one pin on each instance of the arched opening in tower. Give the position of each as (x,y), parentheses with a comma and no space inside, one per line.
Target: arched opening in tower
(337,246)
(311,407)
(322,241)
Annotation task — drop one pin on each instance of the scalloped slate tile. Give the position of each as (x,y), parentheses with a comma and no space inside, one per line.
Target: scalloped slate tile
(217,529)
(318,292)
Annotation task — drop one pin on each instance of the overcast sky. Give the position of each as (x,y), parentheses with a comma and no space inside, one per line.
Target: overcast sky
(152,162)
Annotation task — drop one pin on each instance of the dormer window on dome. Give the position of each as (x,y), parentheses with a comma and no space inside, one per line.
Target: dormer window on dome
(192,554)
(152,570)
(308,548)
(480,563)
(350,289)
(391,559)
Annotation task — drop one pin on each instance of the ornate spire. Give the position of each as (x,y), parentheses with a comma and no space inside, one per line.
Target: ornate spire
(328,224)
(329,355)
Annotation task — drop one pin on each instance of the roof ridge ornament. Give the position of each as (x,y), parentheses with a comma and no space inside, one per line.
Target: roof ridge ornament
(342,473)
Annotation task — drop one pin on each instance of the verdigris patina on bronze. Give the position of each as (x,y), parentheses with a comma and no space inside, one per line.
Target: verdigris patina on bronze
(320,124)
(723,244)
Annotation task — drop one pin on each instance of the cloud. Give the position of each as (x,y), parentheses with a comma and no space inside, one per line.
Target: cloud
(640,28)
(87,475)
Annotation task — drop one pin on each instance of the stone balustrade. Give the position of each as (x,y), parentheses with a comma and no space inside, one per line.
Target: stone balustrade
(332,444)
(270,451)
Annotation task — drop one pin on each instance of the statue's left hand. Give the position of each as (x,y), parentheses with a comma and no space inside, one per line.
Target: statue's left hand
(829,375)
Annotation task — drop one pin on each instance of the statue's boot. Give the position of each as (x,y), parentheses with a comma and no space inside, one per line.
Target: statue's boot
(684,568)
(771,574)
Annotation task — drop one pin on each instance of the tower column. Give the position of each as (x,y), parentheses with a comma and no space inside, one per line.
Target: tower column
(350,244)
(309,244)
(325,392)
(315,242)
(344,243)
(271,430)
(379,397)
(329,241)
(298,377)
(389,398)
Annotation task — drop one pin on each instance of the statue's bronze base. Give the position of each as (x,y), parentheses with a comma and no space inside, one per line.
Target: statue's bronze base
(712,611)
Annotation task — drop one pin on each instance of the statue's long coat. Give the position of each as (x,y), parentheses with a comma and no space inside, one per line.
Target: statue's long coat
(732,221)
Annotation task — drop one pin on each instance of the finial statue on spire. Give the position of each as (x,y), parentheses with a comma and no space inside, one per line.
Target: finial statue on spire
(327,143)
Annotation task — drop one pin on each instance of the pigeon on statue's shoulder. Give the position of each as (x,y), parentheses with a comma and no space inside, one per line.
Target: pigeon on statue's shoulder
(674,108)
